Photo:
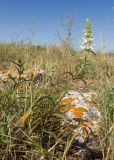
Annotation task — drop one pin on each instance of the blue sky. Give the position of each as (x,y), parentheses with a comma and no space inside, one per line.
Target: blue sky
(42,20)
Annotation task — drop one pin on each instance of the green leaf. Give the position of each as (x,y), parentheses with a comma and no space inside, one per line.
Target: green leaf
(52,134)
(39,148)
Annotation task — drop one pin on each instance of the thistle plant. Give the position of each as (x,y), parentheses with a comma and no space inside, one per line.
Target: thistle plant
(87,40)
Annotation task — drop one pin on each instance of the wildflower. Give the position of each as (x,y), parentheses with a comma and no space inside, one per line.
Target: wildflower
(87,40)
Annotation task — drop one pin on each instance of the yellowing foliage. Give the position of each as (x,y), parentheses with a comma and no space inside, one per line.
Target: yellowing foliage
(25,116)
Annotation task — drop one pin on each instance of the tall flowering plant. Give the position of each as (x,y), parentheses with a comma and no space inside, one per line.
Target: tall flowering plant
(88,40)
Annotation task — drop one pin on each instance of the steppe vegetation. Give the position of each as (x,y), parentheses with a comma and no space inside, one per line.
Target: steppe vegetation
(30,118)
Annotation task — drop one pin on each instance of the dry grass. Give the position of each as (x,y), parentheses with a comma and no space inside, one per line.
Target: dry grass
(29,127)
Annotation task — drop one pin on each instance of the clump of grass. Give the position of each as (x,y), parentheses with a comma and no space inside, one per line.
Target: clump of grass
(28,117)
(106,106)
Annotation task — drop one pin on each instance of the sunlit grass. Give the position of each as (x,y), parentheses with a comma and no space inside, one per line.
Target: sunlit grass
(30,117)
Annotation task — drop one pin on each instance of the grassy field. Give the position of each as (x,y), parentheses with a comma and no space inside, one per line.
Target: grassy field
(30,118)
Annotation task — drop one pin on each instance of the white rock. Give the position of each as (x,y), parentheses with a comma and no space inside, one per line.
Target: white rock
(82,112)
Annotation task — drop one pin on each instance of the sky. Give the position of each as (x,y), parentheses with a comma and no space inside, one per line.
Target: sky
(43,21)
